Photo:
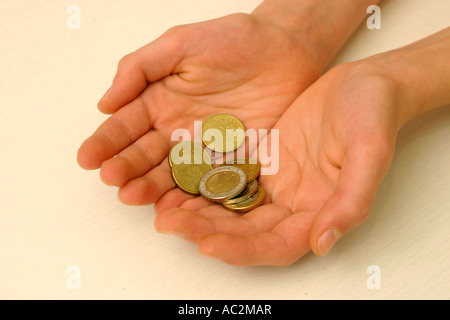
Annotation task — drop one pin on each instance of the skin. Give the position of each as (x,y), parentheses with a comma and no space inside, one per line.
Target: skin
(333,157)
(255,66)
(337,141)
(333,152)
(250,66)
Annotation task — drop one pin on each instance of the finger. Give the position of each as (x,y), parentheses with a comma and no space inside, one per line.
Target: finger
(194,226)
(146,65)
(116,133)
(361,176)
(282,246)
(180,222)
(202,204)
(148,188)
(137,159)
(172,199)
(214,219)
(179,199)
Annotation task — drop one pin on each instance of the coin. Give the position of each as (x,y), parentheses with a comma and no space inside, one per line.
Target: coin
(223,133)
(251,167)
(246,194)
(188,176)
(222,183)
(189,162)
(188,152)
(250,204)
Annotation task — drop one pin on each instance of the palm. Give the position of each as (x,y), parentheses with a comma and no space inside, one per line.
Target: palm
(235,65)
(232,65)
(333,153)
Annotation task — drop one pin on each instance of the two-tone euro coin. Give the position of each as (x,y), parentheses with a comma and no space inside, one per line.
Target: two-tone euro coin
(222,183)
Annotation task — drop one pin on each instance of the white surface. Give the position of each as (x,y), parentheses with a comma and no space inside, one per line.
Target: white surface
(54,214)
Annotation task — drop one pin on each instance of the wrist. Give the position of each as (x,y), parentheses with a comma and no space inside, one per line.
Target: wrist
(421,74)
(387,67)
(320,26)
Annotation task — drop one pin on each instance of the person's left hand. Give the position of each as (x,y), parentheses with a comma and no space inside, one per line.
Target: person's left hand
(239,64)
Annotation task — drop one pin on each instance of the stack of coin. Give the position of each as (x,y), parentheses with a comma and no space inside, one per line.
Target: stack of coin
(234,184)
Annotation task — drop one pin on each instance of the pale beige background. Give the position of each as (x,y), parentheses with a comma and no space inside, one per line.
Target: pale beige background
(54,215)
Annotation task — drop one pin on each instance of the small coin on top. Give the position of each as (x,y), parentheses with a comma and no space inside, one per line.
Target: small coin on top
(223,133)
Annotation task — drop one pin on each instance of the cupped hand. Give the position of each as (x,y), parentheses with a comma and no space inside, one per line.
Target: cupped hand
(239,64)
(336,143)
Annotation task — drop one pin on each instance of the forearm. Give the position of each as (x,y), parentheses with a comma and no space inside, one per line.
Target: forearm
(323,26)
(421,72)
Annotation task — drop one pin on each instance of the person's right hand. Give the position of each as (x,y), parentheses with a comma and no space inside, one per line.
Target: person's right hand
(240,64)
(336,144)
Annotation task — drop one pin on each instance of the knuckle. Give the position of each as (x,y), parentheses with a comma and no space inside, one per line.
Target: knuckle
(175,32)
(125,61)
(177,38)
(360,211)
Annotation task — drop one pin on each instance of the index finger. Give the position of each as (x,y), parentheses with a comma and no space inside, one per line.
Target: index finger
(115,134)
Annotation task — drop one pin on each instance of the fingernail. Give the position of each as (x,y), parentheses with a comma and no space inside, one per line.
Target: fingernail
(213,256)
(210,255)
(327,241)
(175,233)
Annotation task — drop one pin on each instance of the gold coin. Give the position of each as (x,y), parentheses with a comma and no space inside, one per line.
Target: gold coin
(188,152)
(189,162)
(250,204)
(248,192)
(251,167)
(223,133)
(188,176)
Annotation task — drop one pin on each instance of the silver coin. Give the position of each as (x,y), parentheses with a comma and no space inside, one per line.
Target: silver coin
(249,191)
(256,200)
(223,183)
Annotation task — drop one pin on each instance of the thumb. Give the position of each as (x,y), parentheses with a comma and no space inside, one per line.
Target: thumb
(136,70)
(362,172)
